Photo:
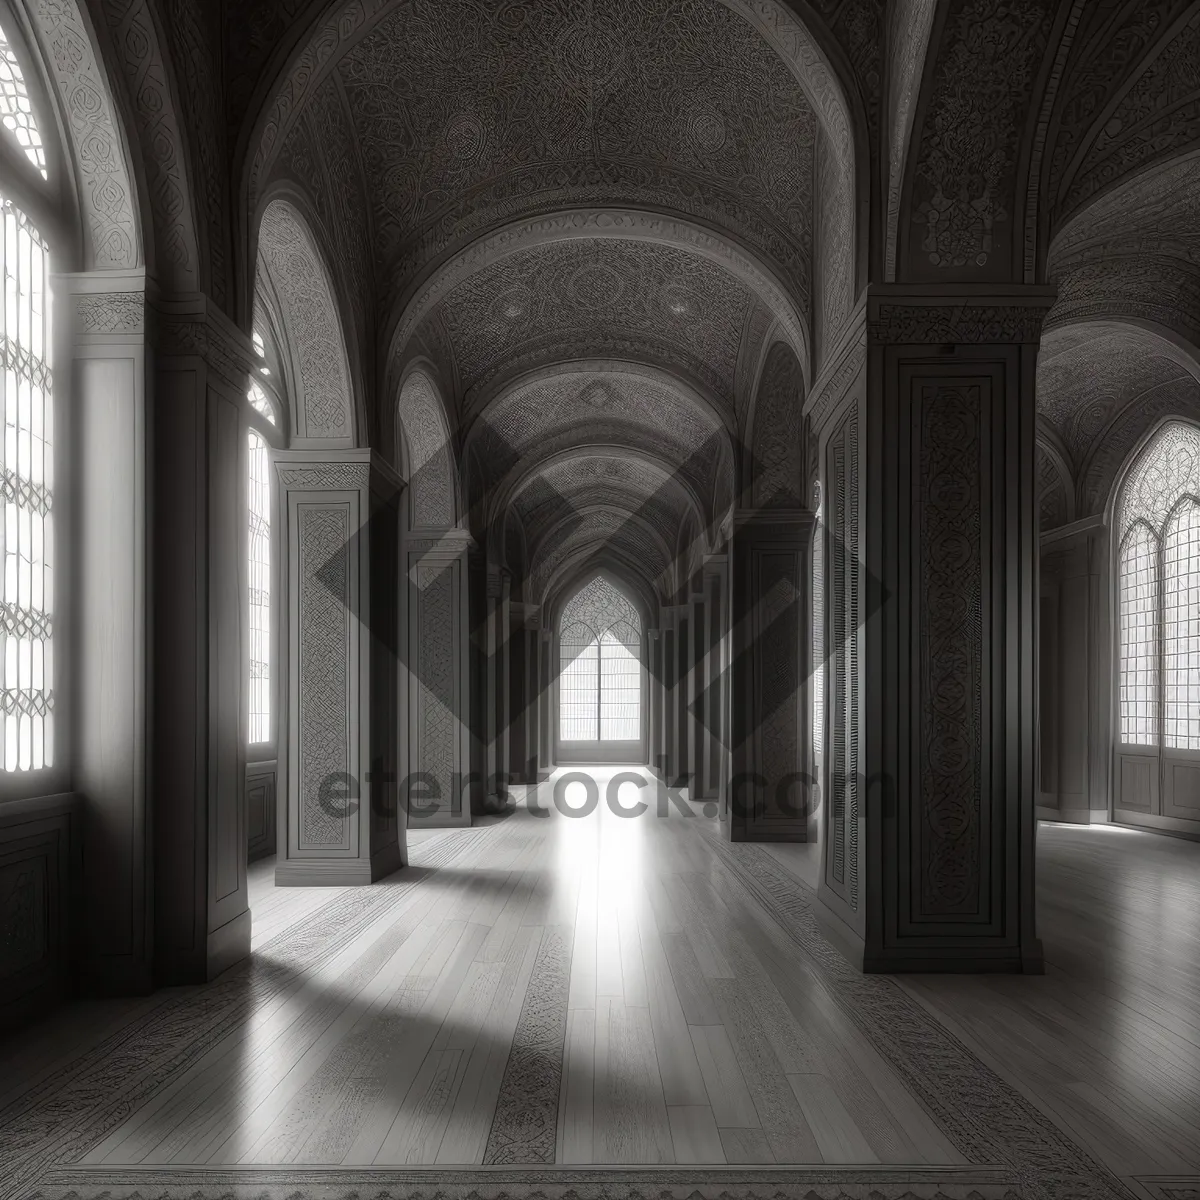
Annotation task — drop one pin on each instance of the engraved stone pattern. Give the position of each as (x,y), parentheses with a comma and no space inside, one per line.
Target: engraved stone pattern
(1052,492)
(107,194)
(324,668)
(595,533)
(1088,374)
(833,277)
(114,312)
(963,193)
(779,449)
(434,673)
(136,41)
(314,327)
(1157,118)
(430,455)
(948,647)
(776,650)
(524,1127)
(567,299)
(24,895)
(911,21)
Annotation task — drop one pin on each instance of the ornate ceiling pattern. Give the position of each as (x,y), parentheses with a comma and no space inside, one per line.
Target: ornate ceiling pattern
(1158,117)
(468,112)
(1088,375)
(430,458)
(779,443)
(621,483)
(595,533)
(571,299)
(576,408)
(1111,44)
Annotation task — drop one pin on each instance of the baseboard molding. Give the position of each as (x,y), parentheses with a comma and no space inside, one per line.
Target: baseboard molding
(1071,816)
(551,1183)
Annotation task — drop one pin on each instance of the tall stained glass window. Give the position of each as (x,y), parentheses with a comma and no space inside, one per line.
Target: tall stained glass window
(1158,594)
(27,531)
(259,544)
(600,679)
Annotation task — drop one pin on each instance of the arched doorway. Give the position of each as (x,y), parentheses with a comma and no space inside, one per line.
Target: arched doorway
(601,709)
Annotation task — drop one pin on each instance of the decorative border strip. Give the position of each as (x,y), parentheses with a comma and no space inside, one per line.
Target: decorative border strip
(545,1183)
(983,1115)
(71,1110)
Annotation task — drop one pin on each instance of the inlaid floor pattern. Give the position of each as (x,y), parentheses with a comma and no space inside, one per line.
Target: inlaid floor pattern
(676,1023)
(633,990)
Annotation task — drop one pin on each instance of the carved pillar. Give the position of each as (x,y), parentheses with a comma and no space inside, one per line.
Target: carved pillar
(435,680)
(1074,688)
(770,746)
(654,670)
(197,661)
(948,530)
(681,699)
(341,824)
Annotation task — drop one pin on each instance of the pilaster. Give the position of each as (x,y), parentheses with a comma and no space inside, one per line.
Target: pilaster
(948,543)
(341,824)
(770,757)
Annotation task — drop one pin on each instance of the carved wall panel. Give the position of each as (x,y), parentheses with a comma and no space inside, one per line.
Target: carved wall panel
(323,680)
(950,555)
(435,657)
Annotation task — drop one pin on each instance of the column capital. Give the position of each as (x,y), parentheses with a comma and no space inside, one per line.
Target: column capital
(932,314)
(334,470)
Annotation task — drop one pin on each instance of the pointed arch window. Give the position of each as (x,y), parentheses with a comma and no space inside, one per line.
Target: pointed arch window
(1158,594)
(16,109)
(600,681)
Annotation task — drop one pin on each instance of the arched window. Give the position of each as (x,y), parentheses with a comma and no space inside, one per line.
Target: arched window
(26,391)
(1158,594)
(600,679)
(1157,525)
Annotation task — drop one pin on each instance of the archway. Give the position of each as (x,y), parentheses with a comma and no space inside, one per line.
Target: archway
(602,691)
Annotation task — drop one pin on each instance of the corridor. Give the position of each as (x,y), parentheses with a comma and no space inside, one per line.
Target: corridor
(609,989)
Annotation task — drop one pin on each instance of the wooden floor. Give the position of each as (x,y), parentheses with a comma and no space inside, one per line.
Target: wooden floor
(608,990)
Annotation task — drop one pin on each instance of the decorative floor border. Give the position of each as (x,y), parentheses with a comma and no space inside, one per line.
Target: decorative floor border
(987,1120)
(983,1115)
(535,1183)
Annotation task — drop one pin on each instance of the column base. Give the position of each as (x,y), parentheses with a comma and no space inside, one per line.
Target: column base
(229,944)
(967,960)
(334,872)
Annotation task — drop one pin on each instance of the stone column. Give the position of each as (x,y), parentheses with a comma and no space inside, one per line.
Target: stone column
(435,680)
(710,735)
(197,723)
(341,823)
(654,672)
(771,750)
(1074,685)
(948,531)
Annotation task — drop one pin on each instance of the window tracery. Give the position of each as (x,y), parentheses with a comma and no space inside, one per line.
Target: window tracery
(26,533)
(1158,594)
(16,109)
